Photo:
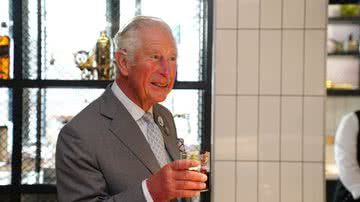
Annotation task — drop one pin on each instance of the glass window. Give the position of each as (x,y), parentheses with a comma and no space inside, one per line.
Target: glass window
(184,105)
(5,136)
(51,113)
(186,27)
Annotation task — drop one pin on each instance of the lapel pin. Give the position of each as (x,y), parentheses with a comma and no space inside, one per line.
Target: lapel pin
(160,121)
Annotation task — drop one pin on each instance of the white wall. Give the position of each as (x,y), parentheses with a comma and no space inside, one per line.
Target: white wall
(269,94)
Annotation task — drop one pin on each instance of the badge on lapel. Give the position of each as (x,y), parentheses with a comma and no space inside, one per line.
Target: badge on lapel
(161,123)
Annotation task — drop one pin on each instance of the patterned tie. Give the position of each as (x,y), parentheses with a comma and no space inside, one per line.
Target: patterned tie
(155,140)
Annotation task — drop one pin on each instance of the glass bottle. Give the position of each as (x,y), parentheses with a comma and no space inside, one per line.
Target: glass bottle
(4,52)
(102,55)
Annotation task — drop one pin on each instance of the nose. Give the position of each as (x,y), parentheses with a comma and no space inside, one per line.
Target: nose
(164,67)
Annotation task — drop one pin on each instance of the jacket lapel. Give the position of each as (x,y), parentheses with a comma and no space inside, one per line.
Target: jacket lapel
(125,128)
(169,139)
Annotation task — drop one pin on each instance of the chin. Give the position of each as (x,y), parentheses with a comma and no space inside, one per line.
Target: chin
(158,99)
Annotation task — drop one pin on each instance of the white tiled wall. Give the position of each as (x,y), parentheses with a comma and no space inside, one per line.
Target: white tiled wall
(269,95)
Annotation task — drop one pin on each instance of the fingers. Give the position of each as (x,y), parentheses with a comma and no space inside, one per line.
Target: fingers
(187,193)
(184,164)
(189,185)
(190,176)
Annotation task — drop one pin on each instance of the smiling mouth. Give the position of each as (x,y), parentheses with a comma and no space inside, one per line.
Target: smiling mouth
(160,85)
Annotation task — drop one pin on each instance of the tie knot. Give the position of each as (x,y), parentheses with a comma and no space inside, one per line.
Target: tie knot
(148,117)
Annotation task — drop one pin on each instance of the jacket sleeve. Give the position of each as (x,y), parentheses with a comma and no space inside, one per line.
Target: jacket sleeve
(79,178)
(345,153)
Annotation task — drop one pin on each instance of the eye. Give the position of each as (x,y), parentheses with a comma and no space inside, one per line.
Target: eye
(173,58)
(155,57)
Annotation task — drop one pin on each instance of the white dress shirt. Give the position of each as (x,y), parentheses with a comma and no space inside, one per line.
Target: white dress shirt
(346,153)
(137,113)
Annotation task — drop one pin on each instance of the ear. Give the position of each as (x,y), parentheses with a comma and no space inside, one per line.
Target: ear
(122,62)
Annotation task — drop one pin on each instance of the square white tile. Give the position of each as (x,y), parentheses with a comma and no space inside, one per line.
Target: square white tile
(313,148)
(316,13)
(269,182)
(291,128)
(225,62)
(330,123)
(225,13)
(340,106)
(270,12)
(314,75)
(293,13)
(247,183)
(224,181)
(248,13)
(269,128)
(248,62)
(292,62)
(291,182)
(313,182)
(224,135)
(247,128)
(270,62)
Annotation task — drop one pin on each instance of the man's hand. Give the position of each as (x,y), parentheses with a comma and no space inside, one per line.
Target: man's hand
(174,180)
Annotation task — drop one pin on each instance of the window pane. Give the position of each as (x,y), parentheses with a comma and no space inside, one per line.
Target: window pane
(30,39)
(65,31)
(5,136)
(77,30)
(54,112)
(185,105)
(186,27)
(7,31)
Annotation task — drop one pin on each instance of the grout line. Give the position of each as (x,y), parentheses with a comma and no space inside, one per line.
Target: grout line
(264,28)
(264,95)
(258,107)
(268,161)
(236,97)
(281,83)
(303,107)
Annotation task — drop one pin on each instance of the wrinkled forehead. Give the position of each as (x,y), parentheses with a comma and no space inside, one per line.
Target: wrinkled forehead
(160,36)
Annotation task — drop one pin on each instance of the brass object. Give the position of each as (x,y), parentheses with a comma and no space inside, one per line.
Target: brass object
(85,63)
(103,57)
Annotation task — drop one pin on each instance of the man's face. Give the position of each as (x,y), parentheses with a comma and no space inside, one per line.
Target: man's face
(152,73)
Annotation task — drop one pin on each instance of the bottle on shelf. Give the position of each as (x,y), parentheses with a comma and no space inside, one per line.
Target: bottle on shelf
(4,52)
(351,44)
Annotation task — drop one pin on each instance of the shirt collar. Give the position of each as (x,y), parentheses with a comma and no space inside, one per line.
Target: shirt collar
(135,111)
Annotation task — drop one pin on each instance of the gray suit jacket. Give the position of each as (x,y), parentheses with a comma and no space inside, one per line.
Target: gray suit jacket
(102,155)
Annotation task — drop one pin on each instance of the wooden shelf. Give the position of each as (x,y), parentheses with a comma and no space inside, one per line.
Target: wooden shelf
(344,1)
(346,54)
(344,20)
(343,92)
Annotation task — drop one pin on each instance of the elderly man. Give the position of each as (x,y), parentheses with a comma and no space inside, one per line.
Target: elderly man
(122,147)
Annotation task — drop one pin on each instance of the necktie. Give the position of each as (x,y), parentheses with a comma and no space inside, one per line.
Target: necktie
(155,140)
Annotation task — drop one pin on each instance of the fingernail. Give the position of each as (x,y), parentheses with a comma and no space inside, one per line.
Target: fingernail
(203,185)
(204,177)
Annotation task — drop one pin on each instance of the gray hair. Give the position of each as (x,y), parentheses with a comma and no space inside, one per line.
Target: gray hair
(127,38)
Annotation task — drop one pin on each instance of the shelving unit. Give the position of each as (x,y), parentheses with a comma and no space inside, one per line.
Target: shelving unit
(347,21)
(339,95)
